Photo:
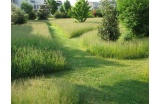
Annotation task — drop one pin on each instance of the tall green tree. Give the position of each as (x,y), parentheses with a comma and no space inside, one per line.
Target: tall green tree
(67,6)
(134,14)
(109,28)
(80,10)
(28,9)
(52,6)
(62,9)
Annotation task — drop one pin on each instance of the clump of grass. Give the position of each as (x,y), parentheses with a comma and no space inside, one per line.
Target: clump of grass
(39,91)
(138,48)
(72,29)
(33,53)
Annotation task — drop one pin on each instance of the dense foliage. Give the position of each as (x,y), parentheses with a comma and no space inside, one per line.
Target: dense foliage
(28,9)
(17,15)
(52,6)
(109,27)
(60,15)
(67,6)
(80,10)
(134,14)
(43,12)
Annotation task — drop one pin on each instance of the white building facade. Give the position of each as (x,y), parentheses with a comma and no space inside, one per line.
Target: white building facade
(94,5)
(34,3)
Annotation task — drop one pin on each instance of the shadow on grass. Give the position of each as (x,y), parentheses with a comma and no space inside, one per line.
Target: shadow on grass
(76,58)
(125,92)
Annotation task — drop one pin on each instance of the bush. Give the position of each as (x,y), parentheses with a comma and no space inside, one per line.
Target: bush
(60,15)
(17,15)
(134,14)
(32,15)
(90,14)
(98,13)
(43,12)
(109,28)
(128,35)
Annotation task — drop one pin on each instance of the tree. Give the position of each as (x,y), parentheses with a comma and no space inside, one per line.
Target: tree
(28,9)
(52,6)
(67,6)
(80,10)
(134,14)
(109,27)
(43,12)
(62,9)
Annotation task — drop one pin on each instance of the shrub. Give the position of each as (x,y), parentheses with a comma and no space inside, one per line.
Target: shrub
(109,27)
(134,14)
(98,13)
(90,14)
(43,12)
(60,15)
(17,15)
(128,35)
(32,15)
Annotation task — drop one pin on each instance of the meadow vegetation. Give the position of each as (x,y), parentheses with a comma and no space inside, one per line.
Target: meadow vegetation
(33,51)
(44,47)
(136,48)
(71,28)
(39,91)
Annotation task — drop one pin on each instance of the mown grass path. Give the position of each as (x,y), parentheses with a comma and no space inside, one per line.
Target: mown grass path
(99,80)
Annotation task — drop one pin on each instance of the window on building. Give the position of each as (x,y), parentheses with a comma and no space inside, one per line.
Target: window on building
(37,6)
(32,1)
(34,6)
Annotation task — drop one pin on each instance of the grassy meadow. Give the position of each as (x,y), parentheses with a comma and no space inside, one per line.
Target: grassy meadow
(72,29)
(76,69)
(33,51)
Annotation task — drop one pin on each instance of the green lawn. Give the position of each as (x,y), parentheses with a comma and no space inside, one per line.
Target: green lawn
(89,80)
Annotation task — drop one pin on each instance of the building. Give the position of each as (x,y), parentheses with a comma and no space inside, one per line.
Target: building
(34,3)
(94,5)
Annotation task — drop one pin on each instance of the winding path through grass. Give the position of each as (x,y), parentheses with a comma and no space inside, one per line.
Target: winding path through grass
(99,80)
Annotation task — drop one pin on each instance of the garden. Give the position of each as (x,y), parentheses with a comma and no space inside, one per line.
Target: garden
(78,61)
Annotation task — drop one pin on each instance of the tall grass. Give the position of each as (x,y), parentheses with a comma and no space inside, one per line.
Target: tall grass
(33,51)
(72,29)
(39,91)
(138,48)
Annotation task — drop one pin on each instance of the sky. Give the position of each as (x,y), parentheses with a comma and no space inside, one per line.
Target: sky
(74,1)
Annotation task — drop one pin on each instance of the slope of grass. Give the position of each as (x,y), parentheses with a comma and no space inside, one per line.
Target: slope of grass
(72,29)
(92,80)
(138,48)
(34,52)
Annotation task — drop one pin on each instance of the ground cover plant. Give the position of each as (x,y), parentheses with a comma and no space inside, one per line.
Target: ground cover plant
(72,29)
(90,80)
(33,51)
